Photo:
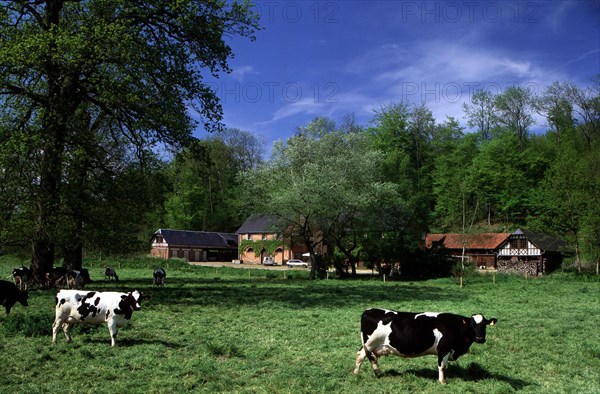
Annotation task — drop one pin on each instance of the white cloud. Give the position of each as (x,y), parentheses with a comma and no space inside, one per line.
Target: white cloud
(240,73)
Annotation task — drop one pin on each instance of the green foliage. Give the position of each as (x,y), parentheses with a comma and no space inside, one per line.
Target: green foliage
(268,245)
(205,188)
(89,90)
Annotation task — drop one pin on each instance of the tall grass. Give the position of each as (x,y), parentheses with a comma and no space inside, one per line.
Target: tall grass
(230,330)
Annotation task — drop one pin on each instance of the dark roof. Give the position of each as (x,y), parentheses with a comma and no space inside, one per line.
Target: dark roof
(545,242)
(470,241)
(261,224)
(199,238)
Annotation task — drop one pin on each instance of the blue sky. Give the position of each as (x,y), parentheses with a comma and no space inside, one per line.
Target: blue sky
(334,58)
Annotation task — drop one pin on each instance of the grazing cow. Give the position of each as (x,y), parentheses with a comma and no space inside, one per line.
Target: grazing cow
(159,276)
(21,276)
(407,334)
(10,295)
(110,273)
(77,279)
(94,307)
(56,277)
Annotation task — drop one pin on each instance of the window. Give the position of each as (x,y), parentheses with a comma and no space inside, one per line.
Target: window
(518,243)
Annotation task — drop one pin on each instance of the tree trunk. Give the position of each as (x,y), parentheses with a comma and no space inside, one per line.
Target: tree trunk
(54,126)
(73,254)
(42,259)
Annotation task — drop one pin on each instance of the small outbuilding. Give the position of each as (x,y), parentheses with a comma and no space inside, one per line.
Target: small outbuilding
(194,245)
(479,249)
(530,253)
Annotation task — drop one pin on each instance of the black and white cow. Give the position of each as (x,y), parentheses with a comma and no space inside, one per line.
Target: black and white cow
(21,277)
(159,275)
(56,277)
(94,307)
(10,295)
(408,334)
(111,273)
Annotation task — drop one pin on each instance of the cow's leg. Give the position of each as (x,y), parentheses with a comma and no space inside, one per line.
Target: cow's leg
(442,365)
(57,325)
(373,359)
(360,356)
(112,329)
(67,330)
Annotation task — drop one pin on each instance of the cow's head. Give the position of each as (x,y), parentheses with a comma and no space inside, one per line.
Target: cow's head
(135,299)
(22,297)
(479,323)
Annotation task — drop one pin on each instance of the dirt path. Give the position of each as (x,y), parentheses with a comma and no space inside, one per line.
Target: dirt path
(243,266)
(257,266)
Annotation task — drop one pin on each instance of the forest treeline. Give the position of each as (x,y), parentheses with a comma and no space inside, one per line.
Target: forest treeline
(371,190)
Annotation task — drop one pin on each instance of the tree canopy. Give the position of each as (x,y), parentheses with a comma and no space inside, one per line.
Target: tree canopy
(81,79)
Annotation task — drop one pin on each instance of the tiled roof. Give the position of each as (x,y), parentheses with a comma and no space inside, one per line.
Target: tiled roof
(199,238)
(261,224)
(470,241)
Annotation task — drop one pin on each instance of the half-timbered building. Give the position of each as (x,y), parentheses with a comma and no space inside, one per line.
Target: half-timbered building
(530,253)
(194,245)
(524,252)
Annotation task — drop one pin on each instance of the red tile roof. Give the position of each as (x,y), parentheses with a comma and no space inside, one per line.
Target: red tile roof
(471,241)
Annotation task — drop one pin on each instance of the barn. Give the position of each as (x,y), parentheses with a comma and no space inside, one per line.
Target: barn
(480,249)
(530,253)
(194,245)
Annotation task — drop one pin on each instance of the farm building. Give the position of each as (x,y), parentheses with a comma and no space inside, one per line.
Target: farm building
(523,251)
(264,235)
(530,253)
(480,249)
(194,245)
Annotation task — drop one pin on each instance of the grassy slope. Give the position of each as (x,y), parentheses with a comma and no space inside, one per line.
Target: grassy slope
(219,330)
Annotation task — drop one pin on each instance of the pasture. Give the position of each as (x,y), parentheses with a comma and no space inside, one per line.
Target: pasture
(223,330)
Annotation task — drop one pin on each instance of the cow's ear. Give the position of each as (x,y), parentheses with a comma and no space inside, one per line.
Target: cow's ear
(145,297)
(492,321)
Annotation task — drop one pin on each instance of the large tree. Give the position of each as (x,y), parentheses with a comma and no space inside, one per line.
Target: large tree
(324,183)
(130,69)
(514,110)
(480,113)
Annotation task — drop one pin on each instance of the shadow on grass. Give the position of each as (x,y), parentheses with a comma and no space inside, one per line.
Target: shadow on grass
(294,294)
(130,342)
(471,373)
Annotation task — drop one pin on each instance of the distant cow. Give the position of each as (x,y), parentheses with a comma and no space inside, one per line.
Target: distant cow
(10,295)
(110,273)
(77,279)
(21,277)
(159,276)
(94,307)
(407,334)
(56,277)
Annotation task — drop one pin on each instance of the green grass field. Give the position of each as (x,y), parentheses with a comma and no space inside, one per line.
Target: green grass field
(223,330)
